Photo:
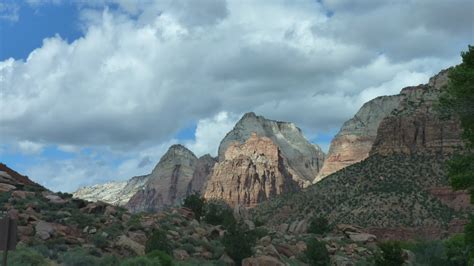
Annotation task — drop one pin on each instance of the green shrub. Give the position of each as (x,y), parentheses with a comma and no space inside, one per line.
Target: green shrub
(456,250)
(217,212)
(109,260)
(165,259)
(391,254)
(78,257)
(158,241)
(238,243)
(318,225)
(100,241)
(25,257)
(141,261)
(317,253)
(196,203)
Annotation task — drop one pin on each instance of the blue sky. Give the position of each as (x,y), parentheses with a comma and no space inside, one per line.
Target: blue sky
(112,84)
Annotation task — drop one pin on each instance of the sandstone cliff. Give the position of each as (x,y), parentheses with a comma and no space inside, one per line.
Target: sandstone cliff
(115,193)
(415,126)
(203,169)
(355,139)
(168,183)
(304,160)
(250,173)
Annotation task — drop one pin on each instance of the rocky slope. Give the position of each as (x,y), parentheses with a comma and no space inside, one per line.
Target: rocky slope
(250,173)
(168,183)
(115,193)
(401,188)
(303,159)
(355,138)
(415,126)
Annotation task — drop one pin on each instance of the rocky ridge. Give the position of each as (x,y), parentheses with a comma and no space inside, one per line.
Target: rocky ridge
(115,193)
(355,138)
(303,159)
(250,173)
(415,126)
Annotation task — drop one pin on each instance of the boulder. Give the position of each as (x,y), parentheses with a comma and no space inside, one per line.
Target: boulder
(180,254)
(226,260)
(262,261)
(125,242)
(362,237)
(44,230)
(6,187)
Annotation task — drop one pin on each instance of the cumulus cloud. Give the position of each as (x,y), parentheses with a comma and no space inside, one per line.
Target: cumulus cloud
(144,70)
(29,147)
(210,132)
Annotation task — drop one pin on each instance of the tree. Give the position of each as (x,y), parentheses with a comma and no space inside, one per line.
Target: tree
(317,253)
(238,243)
(458,100)
(391,254)
(196,203)
(318,225)
(158,241)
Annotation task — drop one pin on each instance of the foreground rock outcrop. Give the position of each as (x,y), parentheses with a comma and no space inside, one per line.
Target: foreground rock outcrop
(355,138)
(250,173)
(303,159)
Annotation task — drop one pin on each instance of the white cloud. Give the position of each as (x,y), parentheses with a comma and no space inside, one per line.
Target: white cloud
(146,70)
(29,147)
(9,11)
(210,132)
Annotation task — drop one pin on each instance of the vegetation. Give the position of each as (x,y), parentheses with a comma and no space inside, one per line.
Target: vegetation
(317,253)
(196,203)
(158,241)
(238,243)
(318,225)
(217,212)
(391,254)
(25,257)
(458,100)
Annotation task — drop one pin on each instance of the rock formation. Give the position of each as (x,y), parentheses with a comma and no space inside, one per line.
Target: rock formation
(201,174)
(415,126)
(115,193)
(304,160)
(168,183)
(250,173)
(355,138)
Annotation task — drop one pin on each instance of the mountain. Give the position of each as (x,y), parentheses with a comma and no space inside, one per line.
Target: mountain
(115,193)
(401,189)
(303,159)
(177,174)
(415,126)
(203,169)
(10,179)
(250,173)
(355,138)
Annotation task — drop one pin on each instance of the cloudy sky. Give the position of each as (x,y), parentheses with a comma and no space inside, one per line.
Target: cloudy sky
(93,91)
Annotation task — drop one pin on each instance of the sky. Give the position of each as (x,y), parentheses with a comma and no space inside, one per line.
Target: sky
(96,91)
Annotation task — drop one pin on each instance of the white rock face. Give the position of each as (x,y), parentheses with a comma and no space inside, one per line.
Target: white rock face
(115,193)
(304,159)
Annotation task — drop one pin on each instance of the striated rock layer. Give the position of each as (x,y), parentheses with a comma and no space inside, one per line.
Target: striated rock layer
(203,169)
(115,193)
(355,139)
(415,126)
(250,173)
(168,182)
(303,159)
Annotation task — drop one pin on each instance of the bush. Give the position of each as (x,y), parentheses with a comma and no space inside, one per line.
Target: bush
(165,259)
(109,260)
(317,253)
(391,254)
(158,241)
(141,261)
(456,250)
(196,203)
(25,257)
(318,225)
(238,243)
(78,257)
(217,212)
(100,241)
